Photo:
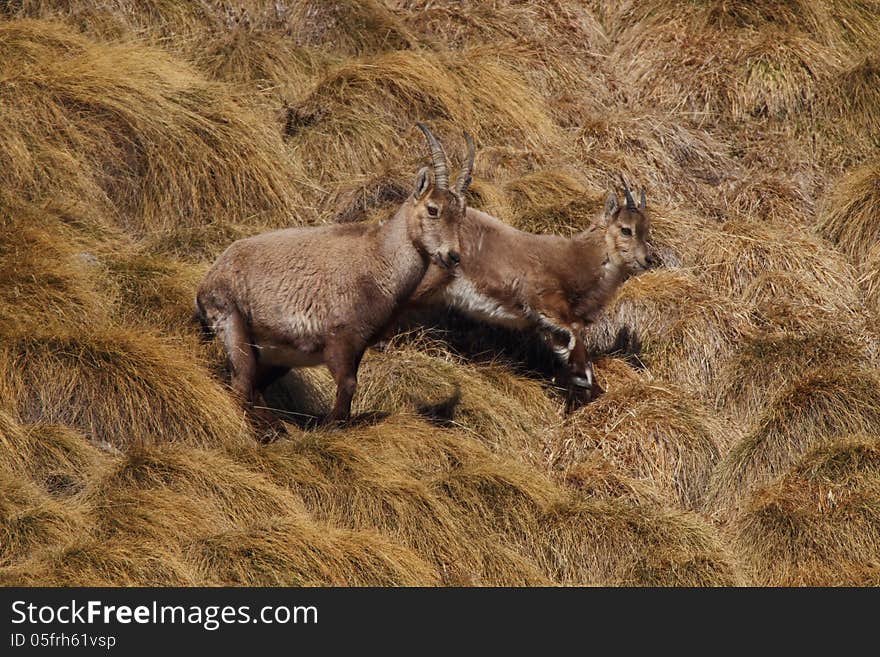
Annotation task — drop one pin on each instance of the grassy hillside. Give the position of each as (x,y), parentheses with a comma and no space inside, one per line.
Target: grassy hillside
(738,440)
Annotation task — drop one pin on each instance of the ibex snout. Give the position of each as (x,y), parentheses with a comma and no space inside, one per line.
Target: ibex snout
(449,258)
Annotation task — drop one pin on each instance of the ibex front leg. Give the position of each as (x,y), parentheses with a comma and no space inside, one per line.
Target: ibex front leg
(574,370)
(343,357)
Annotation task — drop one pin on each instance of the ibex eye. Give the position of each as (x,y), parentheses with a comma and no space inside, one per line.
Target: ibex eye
(626,231)
(433,211)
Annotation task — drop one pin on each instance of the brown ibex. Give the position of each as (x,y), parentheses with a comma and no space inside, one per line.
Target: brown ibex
(554,284)
(304,296)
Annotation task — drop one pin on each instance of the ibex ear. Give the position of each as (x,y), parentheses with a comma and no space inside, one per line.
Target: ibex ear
(611,206)
(423,182)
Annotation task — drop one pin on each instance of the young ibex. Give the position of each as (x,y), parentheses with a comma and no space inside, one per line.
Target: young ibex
(550,283)
(305,296)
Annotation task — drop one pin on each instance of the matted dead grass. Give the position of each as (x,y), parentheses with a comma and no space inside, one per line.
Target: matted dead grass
(807,412)
(819,523)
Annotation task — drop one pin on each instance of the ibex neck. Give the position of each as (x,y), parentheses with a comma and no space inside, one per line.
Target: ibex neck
(401,255)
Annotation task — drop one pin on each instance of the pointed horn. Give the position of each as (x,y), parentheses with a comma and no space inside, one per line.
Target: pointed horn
(438,158)
(464,177)
(643,201)
(630,201)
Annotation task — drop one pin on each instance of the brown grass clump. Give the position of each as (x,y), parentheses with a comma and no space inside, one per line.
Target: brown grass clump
(684,341)
(501,409)
(380,478)
(819,523)
(153,291)
(720,59)
(808,412)
(653,433)
(158,147)
(117,386)
(45,276)
(552,200)
(226,494)
(267,60)
(114,562)
(595,477)
(845,113)
(674,161)
(613,543)
(31,521)
(58,459)
(849,214)
(350,27)
(359,114)
(297,552)
(762,365)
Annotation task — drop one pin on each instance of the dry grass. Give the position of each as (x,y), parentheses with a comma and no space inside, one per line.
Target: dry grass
(653,433)
(849,215)
(117,387)
(132,131)
(819,523)
(137,140)
(807,412)
(715,59)
(684,341)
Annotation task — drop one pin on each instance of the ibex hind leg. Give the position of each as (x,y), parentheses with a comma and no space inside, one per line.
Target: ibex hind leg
(243,372)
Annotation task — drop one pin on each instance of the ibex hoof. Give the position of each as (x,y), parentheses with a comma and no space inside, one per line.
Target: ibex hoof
(581,382)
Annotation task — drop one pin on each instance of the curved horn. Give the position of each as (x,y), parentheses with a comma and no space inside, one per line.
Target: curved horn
(464,177)
(630,201)
(438,158)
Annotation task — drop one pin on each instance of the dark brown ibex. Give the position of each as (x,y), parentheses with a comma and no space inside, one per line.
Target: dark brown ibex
(305,296)
(554,284)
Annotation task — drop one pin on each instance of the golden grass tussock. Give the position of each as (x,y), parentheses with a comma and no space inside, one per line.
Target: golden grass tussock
(557,46)
(153,291)
(763,365)
(31,521)
(56,458)
(807,412)
(45,276)
(552,200)
(849,214)
(227,493)
(296,552)
(727,60)
(652,432)
(683,341)
(818,524)
(489,401)
(158,147)
(671,159)
(870,281)
(613,543)
(594,476)
(117,386)
(380,478)
(361,114)
(349,27)
(114,562)
(263,59)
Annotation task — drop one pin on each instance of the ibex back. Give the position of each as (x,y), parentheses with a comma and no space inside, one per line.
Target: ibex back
(305,296)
